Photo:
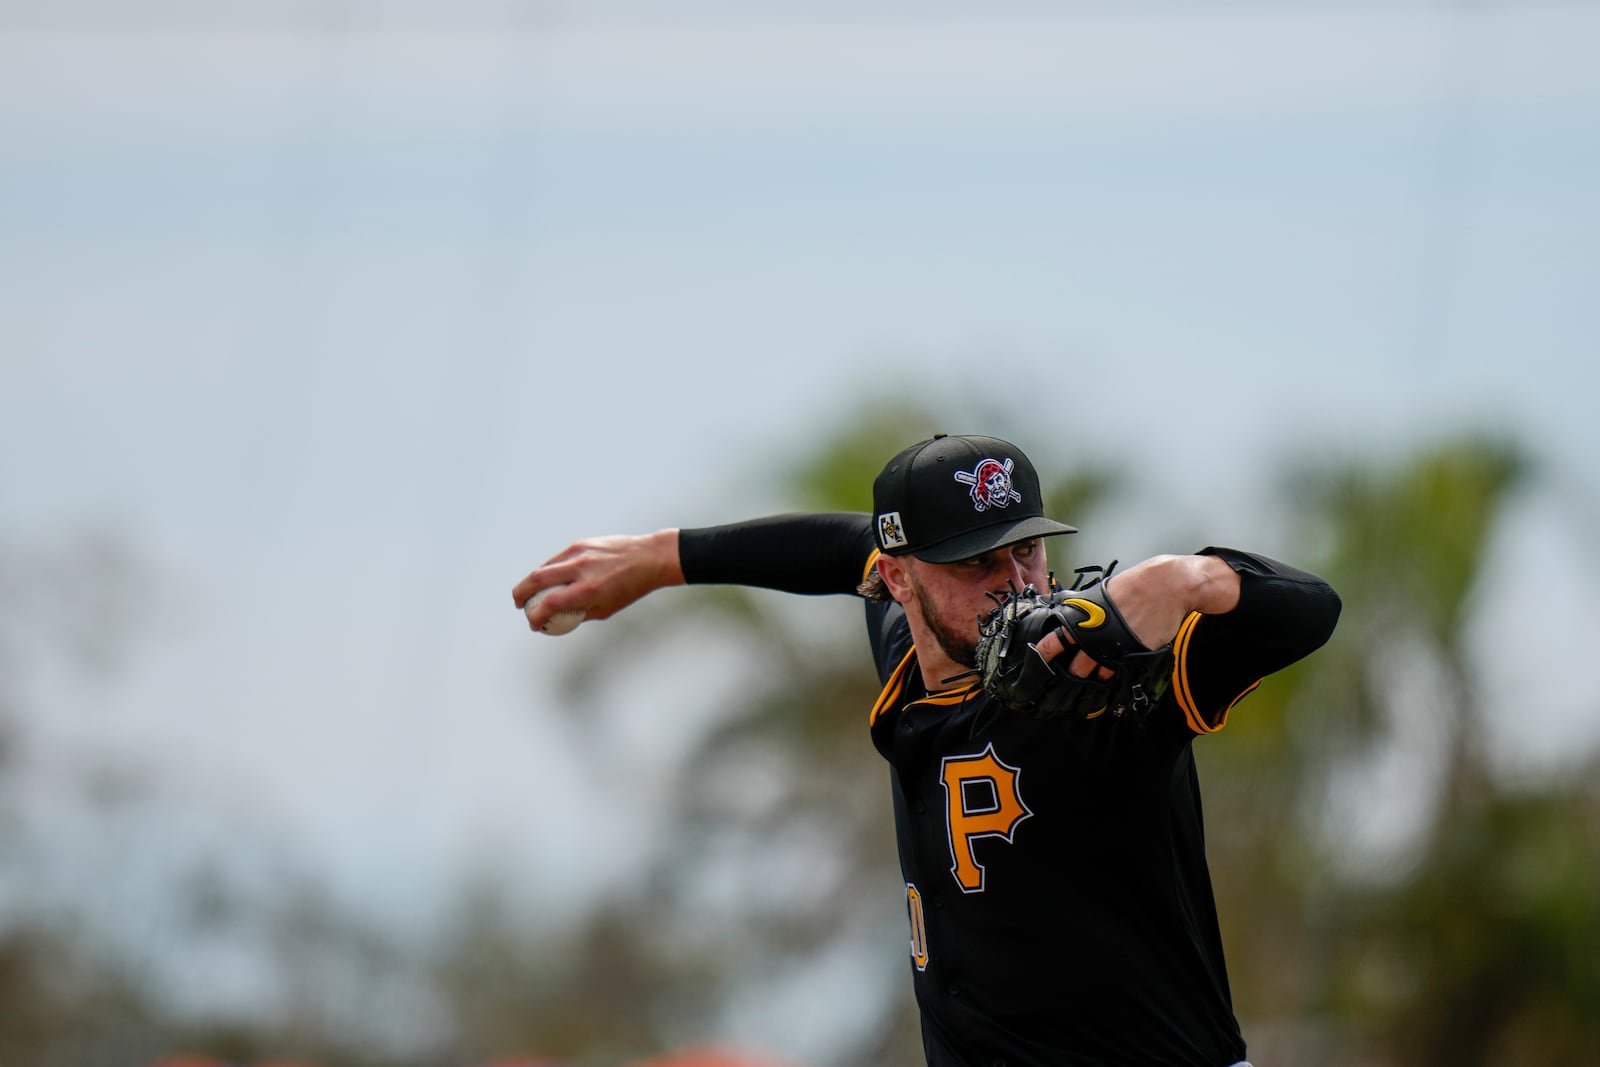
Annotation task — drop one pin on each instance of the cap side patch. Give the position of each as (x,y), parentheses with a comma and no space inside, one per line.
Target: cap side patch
(891,533)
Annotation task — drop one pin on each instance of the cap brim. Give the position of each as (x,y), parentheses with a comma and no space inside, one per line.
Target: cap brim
(977,542)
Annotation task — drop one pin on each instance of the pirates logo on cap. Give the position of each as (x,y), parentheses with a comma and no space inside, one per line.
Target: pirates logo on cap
(991,484)
(891,534)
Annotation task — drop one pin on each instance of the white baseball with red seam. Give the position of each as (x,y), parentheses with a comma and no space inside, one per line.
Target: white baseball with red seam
(562,622)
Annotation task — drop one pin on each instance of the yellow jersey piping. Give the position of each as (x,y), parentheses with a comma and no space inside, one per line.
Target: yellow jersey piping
(897,684)
(1180,682)
(892,689)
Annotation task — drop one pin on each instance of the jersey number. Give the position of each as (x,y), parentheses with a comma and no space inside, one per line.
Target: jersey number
(982,799)
(919,928)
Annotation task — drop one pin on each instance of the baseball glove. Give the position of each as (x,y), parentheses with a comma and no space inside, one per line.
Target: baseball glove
(1014,673)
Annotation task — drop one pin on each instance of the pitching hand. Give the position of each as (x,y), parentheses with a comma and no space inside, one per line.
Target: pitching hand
(599,576)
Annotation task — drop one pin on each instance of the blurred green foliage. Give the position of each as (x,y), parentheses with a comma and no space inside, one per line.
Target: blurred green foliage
(1473,938)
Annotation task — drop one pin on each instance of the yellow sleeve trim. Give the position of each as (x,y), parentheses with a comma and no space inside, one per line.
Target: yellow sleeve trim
(1222,720)
(1180,674)
(1180,682)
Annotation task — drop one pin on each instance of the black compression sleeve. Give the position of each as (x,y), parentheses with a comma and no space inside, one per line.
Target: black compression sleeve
(1283,614)
(800,553)
(1281,608)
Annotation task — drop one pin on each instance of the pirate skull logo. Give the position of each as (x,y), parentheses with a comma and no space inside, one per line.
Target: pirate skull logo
(990,483)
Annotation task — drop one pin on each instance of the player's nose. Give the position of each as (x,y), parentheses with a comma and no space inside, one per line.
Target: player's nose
(1015,573)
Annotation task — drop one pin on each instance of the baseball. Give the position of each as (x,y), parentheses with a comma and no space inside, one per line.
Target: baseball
(563,622)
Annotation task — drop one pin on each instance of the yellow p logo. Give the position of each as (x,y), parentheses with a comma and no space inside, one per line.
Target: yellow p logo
(982,800)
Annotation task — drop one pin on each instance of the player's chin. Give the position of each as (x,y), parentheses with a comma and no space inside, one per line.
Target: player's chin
(958,647)
(964,653)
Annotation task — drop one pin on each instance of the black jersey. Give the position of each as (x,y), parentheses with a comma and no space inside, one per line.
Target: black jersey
(1060,906)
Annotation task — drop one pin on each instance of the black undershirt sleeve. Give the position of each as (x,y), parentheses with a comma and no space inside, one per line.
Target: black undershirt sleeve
(813,554)
(1283,615)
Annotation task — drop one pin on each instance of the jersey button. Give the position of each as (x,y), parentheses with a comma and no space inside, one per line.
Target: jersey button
(954,989)
(919,806)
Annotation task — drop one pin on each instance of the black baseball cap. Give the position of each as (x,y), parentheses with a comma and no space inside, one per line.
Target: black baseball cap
(952,498)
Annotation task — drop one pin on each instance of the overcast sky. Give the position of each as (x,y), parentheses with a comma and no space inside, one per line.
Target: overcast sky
(346,321)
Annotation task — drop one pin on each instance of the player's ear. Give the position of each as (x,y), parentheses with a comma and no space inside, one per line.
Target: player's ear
(896,579)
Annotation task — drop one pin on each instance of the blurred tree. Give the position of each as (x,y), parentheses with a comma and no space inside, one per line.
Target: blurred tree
(1490,953)
(61,1002)
(63,998)
(1460,941)
(589,995)
(769,871)
(70,994)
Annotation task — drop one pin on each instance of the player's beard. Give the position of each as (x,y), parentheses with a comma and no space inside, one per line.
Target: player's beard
(961,646)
